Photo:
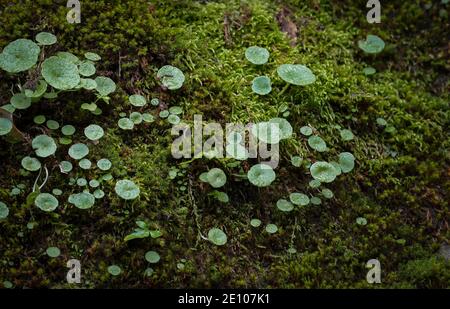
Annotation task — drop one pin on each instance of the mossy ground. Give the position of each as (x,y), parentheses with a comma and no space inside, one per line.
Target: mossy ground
(400,184)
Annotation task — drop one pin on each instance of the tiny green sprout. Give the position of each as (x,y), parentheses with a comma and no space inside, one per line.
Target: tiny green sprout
(46,202)
(390,129)
(94,132)
(173,119)
(317,143)
(86,68)
(98,194)
(216,178)
(45,38)
(255,223)
(125,124)
(137,100)
(327,193)
(152,257)
(323,171)
(19,55)
(44,146)
(261,175)
(68,130)
(296,161)
(6,126)
(78,151)
(267,132)
(114,270)
(57,192)
(154,102)
(296,74)
(148,117)
(372,45)
(60,73)
(148,272)
(271,228)
(171,77)
(381,122)
(104,164)
(314,183)
(65,167)
(85,164)
(284,205)
(299,199)
(316,200)
(105,86)
(65,141)
(361,221)
(369,71)
(40,119)
(257,55)
(31,164)
(15,191)
(53,252)
(20,101)
(291,250)
(92,56)
(52,125)
(346,162)
(284,126)
(176,110)
(81,182)
(4,211)
(127,189)
(107,177)
(306,130)
(217,237)
(83,200)
(261,85)
(346,135)
(164,114)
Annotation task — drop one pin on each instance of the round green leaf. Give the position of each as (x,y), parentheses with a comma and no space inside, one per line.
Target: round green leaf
(45,38)
(171,77)
(105,85)
(20,101)
(53,252)
(369,71)
(173,119)
(114,270)
(104,164)
(65,166)
(299,199)
(255,222)
(31,164)
(316,200)
(296,74)
(4,211)
(176,110)
(85,164)
(40,119)
(98,194)
(372,45)
(94,132)
(323,171)
(261,175)
(83,200)
(86,68)
(261,85)
(92,56)
(347,162)
(296,161)
(284,205)
(5,126)
(19,55)
(271,228)
(60,73)
(44,146)
(125,124)
(257,55)
(216,178)
(317,143)
(127,189)
(46,202)
(52,125)
(148,117)
(137,100)
(136,117)
(68,130)
(346,135)
(152,257)
(361,221)
(327,193)
(57,192)
(284,127)
(217,237)
(78,151)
